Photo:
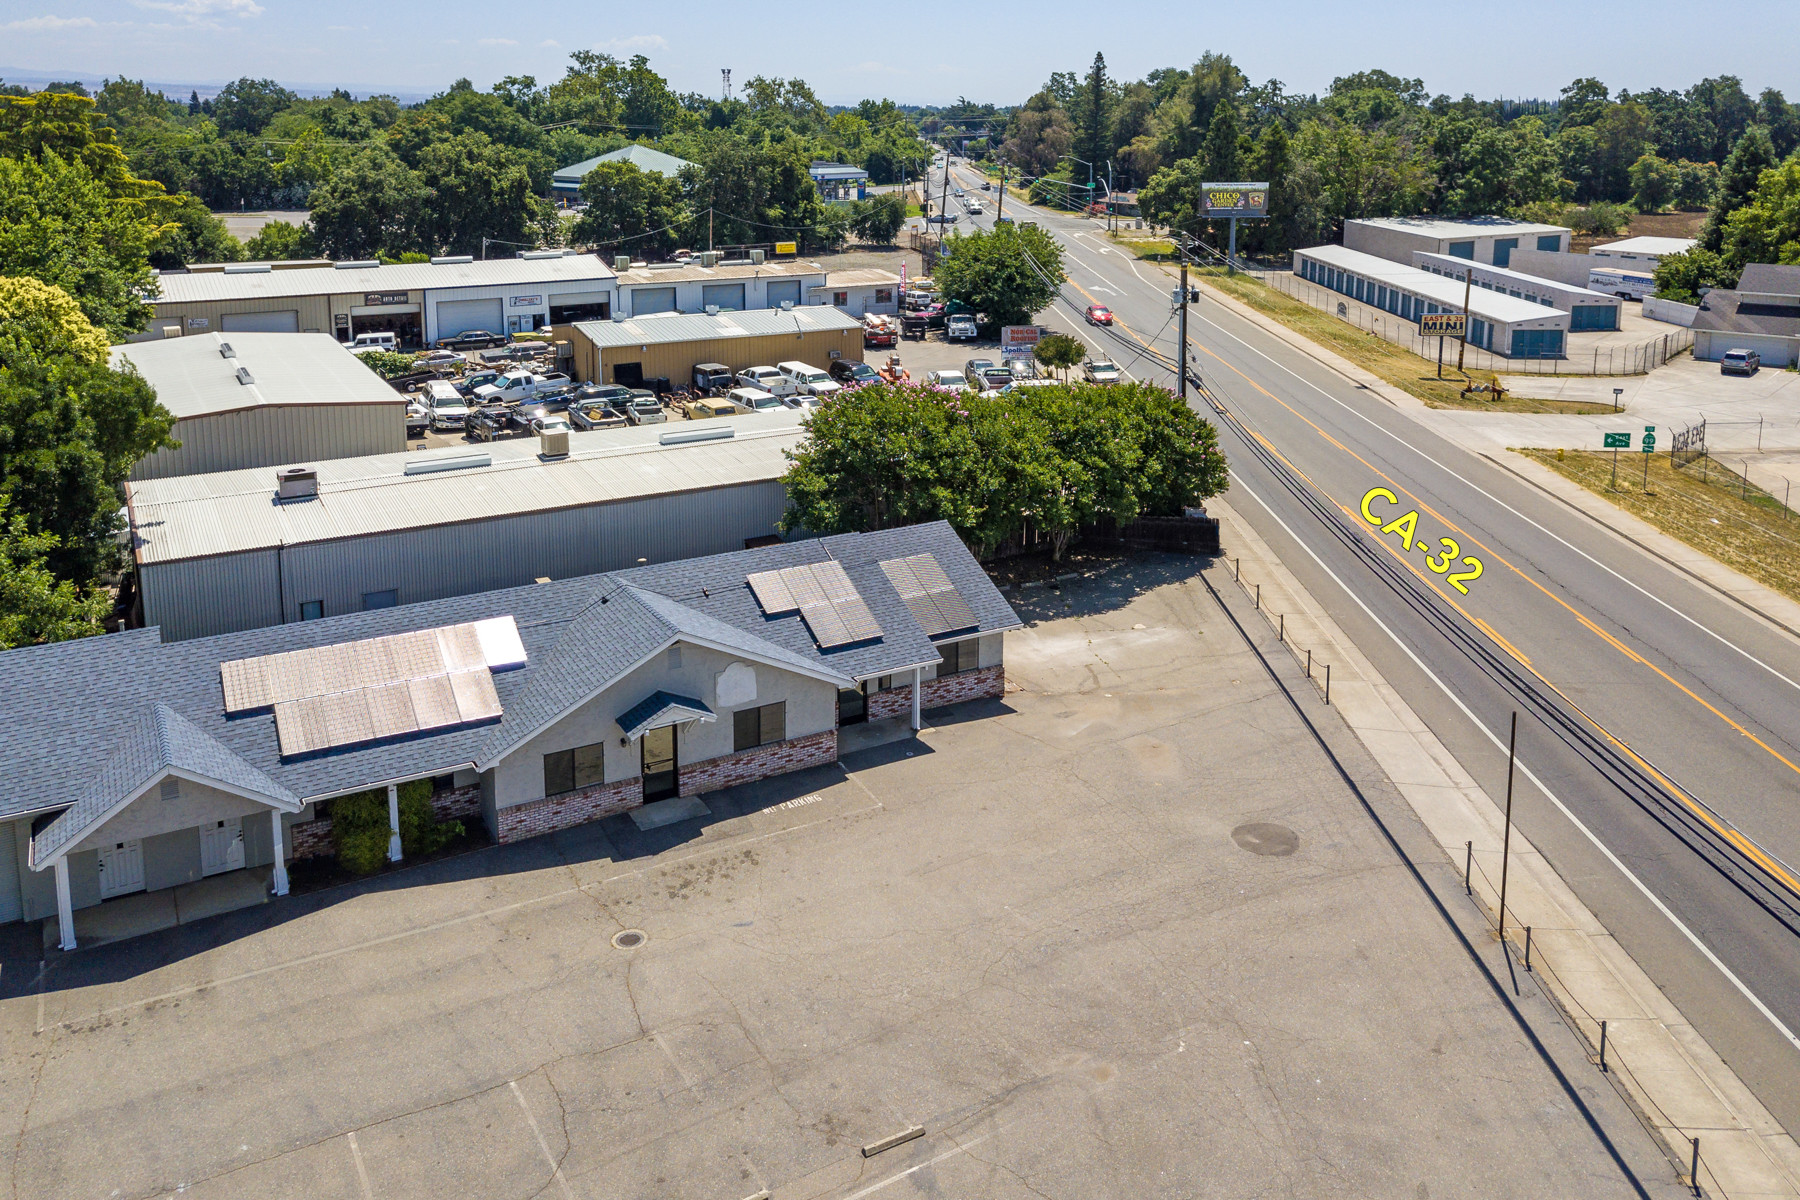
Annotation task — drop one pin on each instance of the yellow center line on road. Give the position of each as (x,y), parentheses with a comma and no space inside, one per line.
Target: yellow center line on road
(1772,866)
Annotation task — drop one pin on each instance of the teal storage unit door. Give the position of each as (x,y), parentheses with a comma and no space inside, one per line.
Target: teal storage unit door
(1584,317)
(1550,241)
(1503,248)
(1537,343)
(1461,250)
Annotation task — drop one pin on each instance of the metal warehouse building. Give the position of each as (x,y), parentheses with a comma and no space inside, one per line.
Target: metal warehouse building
(226,552)
(693,288)
(1480,239)
(670,345)
(257,399)
(1497,322)
(419,302)
(1588,310)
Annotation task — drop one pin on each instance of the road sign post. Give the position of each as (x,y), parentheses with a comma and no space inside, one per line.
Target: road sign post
(1649,448)
(1616,442)
(1441,326)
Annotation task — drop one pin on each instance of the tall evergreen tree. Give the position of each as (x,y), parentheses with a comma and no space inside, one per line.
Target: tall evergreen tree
(1093,117)
(1749,158)
(1223,161)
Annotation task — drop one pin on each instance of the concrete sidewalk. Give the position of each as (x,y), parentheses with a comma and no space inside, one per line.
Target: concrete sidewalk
(1680,1087)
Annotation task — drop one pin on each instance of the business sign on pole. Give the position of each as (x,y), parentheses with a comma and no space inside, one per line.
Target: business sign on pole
(787,247)
(1018,341)
(1220,200)
(1443,324)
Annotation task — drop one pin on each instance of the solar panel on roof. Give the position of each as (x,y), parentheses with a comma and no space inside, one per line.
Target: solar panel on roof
(859,623)
(300,726)
(434,704)
(930,596)
(826,598)
(772,592)
(391,710)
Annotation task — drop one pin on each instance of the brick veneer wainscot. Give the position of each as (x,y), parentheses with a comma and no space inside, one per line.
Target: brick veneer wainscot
(815,749)
(569,809)
(458,804)
(987,683)
(309,839)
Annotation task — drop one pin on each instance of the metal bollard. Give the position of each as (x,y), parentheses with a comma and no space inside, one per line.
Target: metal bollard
(1259,597)
(1282,635)
(1528,949)
(1328,683)
(1309,664)
(1468,868)
(1237,570)
(1603,1047)
(1694,1167)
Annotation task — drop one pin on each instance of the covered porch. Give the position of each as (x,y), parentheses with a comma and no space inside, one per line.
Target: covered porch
(146,912)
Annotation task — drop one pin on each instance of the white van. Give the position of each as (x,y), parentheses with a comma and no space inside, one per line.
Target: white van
(446,405)
(365,342)
(809,381)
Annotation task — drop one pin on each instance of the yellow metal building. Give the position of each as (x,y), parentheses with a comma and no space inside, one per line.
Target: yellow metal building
(670,345)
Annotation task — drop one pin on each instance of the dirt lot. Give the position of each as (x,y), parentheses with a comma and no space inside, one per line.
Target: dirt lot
(1130,933)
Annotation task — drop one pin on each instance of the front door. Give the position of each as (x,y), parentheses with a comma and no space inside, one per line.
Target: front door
(853,706)
(222,846)
(661,771)
(121,868)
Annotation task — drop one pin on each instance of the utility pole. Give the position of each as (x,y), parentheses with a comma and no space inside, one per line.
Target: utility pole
(1181,332)
(1112,205)
(1512,750)
(1000,208)
(709,230)
(1462,346)
(944,200)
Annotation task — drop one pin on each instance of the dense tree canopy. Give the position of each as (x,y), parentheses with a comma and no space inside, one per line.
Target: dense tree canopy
(1007,274)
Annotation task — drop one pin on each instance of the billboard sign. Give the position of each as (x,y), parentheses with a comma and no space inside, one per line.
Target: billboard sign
(1444,324)
(1018,341)
(1234,200)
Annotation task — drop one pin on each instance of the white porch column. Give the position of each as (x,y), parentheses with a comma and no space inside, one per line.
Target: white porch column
(281,879)
(915,714)
(65,908)
(394,823)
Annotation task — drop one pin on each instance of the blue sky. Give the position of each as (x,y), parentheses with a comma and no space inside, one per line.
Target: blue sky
(921,53)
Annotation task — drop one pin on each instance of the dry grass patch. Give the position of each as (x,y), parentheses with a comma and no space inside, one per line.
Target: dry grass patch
(1704,505)
(1400,367)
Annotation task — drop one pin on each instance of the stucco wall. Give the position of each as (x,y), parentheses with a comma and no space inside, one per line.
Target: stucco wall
(150,814)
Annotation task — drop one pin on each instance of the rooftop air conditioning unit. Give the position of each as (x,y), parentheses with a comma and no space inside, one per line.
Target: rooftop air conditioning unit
(553,443)
(756,256)
(359,265)
(247,268)
(709,258)
(712,310)
(296,483)
(621,262)
(443,260)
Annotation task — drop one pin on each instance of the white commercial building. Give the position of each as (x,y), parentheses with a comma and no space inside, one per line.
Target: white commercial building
(1643,253)
(1588,310)
(1488,240)
(860,292)
(245,549)
(419,303)
(257,399)
(726,286)
(1498,322)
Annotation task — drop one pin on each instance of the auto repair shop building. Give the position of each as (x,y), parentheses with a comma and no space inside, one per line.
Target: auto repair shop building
(420,302)
(670,345)
(227,552)
(257,399)
(693,287)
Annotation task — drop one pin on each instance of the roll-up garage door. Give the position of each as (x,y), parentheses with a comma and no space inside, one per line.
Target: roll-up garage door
(723,295)
(645,301)
(262,322)
(784,289)
(582,306)
(10,907)
(460,316)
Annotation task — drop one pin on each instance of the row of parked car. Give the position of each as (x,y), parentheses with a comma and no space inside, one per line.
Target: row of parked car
(991,378)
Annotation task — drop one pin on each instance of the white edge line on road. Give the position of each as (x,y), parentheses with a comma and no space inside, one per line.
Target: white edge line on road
(1723,640)
(362,1173)
(1574,820)
(556,1170)
(930,1162)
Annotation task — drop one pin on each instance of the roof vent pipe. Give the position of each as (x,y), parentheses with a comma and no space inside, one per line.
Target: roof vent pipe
(358,265)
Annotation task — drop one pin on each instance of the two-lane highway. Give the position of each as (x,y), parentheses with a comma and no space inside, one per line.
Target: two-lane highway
(1659,720)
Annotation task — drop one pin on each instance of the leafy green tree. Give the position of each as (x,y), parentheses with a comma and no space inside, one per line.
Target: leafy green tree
(40,322)
(389,364)
(374,203)
(1653,183)
(1008,273)
(248,105)
(1059,352)
(193,235)
(1038,135)
(1484,168)
(1680,277)
(1752,155)
(280,240)
(1767,228)
(877,220)
(36,606)
(1781,119)
(478,189)
(1695,184)
(753,193)
(1601,218)
(60,224)
(637,211)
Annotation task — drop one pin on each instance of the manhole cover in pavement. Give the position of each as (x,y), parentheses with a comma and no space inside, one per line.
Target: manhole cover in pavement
(629,939)
(1262,837)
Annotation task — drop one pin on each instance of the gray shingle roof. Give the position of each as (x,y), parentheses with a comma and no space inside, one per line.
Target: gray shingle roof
(65,706)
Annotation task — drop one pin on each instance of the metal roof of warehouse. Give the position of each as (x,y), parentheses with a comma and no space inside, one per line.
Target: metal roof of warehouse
(1447,293)
(644,158)
(1646,245)
(1521,278)
(691,271)
(395,277)
(666,328)
(193,378)
(195,516)
(1459,227)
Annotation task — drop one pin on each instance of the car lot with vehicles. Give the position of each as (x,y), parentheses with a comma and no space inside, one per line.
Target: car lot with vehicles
(712,378)
(767,379)
(515,386)
(752,399)
(808,380)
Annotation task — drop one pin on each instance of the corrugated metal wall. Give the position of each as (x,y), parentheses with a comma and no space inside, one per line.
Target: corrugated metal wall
(315,312)
(203,597)
(274,436)
(676,359)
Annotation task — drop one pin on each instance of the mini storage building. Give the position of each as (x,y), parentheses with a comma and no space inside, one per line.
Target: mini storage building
(418,302)
(1588,310)
(669,346)
(1480,239)
(257,399)
(1498,322)
(529,710)
(247,549)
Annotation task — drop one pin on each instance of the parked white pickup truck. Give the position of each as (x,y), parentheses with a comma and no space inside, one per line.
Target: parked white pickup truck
(767,379)
(518,385)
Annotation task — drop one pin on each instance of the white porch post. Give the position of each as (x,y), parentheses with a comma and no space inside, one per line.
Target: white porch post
(915,698)
(394,823)
(65,908)
(281,879)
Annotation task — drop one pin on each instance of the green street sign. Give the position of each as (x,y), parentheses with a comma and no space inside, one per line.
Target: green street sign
(1649,445)
(1618,441)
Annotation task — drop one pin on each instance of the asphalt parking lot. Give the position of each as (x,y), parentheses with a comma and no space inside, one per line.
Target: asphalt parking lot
(1127,933)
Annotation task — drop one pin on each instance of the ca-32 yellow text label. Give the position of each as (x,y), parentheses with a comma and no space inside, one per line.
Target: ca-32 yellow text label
(1406,527)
